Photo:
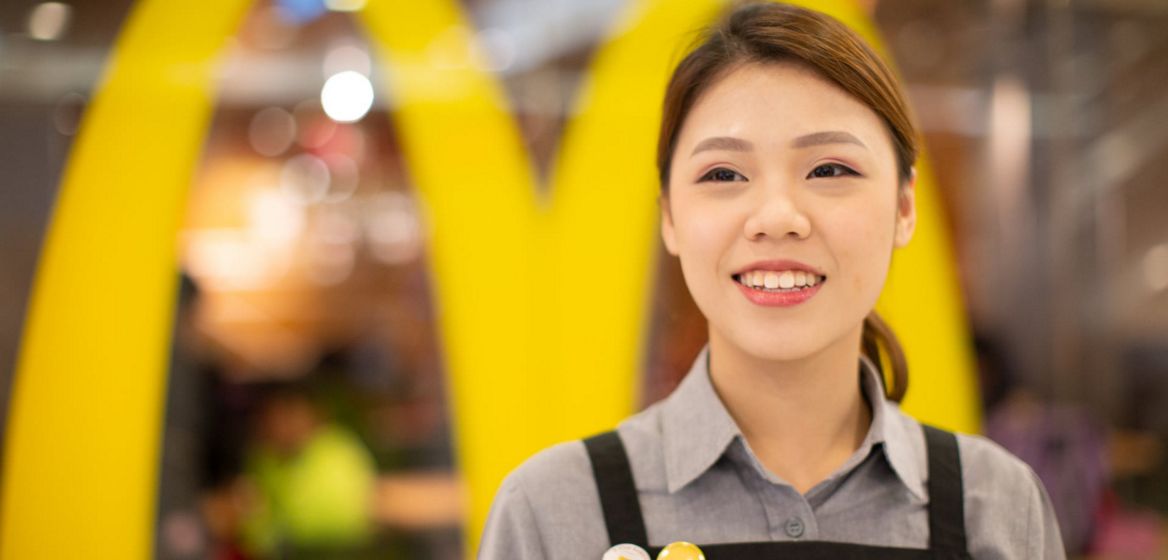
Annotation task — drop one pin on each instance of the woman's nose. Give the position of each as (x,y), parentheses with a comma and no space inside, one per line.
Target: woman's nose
(776,213)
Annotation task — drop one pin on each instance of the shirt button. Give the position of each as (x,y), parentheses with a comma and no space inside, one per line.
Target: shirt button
(794,527)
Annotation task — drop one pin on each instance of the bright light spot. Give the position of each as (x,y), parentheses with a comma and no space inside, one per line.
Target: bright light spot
(48,20)
(272,131)
(1156,268)
(344,5)
(347,57)
(347,96)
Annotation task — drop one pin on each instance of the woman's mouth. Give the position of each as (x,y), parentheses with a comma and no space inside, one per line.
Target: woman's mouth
(779,288)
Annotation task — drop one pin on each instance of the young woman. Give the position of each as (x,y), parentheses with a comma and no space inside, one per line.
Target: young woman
(786,159)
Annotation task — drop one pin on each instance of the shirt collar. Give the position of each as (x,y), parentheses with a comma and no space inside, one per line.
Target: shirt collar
(697,429)
(888,430)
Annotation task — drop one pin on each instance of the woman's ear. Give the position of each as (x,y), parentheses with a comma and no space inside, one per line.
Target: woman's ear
(668,235)
(906,210)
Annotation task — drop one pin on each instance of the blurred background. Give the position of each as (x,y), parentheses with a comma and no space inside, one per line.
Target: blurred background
(307,410)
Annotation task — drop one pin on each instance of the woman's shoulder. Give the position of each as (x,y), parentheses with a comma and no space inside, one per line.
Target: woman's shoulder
(983,461)
(545,506)
(1007,511)
(988,469)
(987,454)
(1006,506)
(552,467)
(549,504)
(566,465)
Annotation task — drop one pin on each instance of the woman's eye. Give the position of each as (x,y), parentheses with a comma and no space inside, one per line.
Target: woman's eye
(722,175)
(831,170)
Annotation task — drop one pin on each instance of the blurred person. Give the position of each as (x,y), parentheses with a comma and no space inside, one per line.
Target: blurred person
(311,483)
(786,158)
(1064,444)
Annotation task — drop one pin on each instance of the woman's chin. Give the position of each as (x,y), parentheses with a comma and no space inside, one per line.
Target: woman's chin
(772,348)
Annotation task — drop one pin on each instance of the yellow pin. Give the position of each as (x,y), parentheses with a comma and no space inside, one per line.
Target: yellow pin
(681,550)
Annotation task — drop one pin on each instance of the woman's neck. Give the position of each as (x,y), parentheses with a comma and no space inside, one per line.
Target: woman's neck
(802,419)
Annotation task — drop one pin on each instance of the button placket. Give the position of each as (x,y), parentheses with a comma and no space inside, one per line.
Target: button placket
(787,510)
(794,527)
(763,491)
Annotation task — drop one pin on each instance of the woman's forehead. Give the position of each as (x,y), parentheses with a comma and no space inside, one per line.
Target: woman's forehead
(778,101)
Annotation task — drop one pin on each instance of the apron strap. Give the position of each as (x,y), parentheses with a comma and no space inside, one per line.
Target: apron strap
(618,492)
(622,507)
(946,492)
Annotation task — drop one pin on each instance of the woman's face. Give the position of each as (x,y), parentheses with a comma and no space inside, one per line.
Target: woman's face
(784,209)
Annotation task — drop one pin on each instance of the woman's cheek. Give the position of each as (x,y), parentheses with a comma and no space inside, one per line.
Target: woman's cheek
(702,230)
(862,248)
(868,223)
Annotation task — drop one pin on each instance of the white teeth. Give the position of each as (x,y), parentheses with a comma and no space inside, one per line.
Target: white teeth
(772,280)
(787,280)
(776,280)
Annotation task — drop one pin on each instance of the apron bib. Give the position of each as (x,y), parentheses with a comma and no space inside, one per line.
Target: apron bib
(622,511)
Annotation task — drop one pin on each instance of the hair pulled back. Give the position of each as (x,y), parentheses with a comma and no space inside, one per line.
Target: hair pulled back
(765,33)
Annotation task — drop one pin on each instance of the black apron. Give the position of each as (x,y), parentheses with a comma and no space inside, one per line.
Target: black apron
(622,511)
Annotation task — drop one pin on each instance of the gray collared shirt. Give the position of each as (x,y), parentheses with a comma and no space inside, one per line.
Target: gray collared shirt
(699,481)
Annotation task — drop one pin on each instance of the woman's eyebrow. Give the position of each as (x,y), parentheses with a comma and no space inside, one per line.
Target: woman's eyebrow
(828,137)
(723,143)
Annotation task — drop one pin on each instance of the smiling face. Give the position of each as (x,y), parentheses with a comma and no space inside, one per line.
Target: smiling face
(784,207)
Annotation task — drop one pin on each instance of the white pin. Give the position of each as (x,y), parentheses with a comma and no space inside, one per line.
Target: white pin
(626,552)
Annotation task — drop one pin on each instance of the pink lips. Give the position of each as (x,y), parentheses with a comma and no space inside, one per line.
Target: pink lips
(778,299)
(781,298)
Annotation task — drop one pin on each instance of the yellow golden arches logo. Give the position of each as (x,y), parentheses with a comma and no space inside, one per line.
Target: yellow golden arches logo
(542,346)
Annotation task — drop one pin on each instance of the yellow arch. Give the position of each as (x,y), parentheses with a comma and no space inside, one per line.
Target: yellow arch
(80,464)
(540,346)
(545,345)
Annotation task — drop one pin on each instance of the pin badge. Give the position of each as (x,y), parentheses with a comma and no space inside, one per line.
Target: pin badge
(681,550)
(626,552)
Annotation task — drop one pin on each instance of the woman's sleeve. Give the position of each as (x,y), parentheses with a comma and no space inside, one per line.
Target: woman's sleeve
(1046,541)
(511,532)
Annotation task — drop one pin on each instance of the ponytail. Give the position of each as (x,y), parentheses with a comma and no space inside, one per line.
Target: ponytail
(877,336)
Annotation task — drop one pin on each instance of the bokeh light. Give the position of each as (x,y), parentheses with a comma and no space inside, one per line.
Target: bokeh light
(272,131)
(1156,268)
(347,96)
(393,229)
(306,178)
(48,21)
(344,5)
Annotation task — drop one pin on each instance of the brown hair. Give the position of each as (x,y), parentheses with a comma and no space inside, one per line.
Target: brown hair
(768,33)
